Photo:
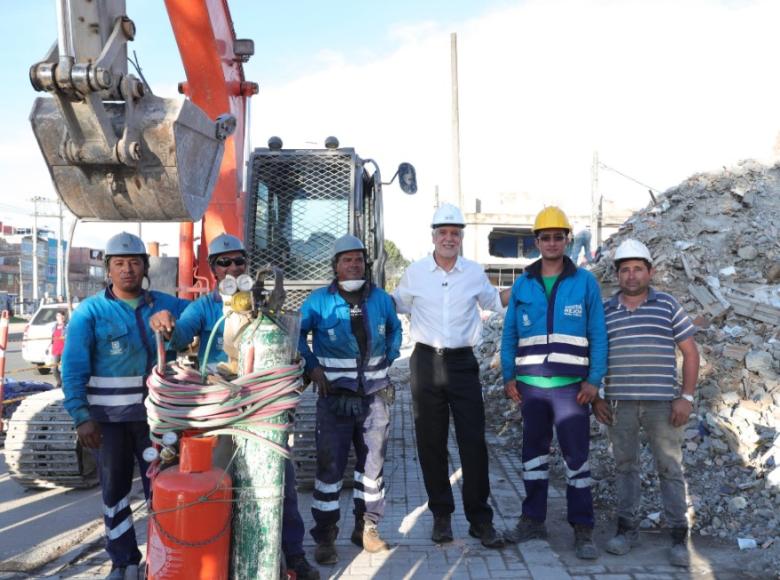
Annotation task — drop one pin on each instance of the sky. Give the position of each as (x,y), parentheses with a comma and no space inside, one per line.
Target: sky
(661,89)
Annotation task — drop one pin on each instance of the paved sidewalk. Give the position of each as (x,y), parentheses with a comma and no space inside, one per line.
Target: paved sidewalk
(408,523)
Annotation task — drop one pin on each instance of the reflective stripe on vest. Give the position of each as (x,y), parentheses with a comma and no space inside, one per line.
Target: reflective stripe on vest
(339,368)
(113,395)
(346,368)
(556,348)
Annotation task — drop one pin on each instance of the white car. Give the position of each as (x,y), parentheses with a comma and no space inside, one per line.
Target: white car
(37,336)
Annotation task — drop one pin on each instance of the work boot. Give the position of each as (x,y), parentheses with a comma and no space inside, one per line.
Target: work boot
(487,535)
(678,555)
(627,537)
(584,548)
(303,570)
(526,529)
(442,529)
(326,554)
(116,574)
(366,536)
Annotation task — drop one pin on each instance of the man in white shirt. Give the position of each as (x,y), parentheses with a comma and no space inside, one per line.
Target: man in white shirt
(443,292)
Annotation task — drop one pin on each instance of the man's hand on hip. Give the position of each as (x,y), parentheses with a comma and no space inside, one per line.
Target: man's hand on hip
(512,392)
(587,394)
(681,411)
(89,434)
(321,383)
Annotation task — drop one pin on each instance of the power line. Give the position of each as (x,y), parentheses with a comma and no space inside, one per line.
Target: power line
(605,166)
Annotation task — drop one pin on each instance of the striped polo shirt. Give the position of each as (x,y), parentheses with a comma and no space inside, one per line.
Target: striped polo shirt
(642,364)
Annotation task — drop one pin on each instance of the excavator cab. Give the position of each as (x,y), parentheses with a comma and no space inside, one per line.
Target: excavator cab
(300,201)
(116,152)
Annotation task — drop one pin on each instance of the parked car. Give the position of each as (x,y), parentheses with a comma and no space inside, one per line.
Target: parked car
(37,336)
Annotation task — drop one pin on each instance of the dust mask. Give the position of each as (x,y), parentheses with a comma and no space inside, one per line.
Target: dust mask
(351,285)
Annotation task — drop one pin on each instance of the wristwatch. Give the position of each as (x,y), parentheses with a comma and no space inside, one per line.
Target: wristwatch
(687,397)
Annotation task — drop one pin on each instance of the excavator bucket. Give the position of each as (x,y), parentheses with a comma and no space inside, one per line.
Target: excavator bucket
(179,157)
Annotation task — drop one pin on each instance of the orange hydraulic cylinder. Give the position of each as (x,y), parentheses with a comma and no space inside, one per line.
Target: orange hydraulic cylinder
(189,533)
(215,82)
(186,260)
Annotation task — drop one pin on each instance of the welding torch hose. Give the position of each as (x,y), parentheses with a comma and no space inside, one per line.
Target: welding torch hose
(181,400)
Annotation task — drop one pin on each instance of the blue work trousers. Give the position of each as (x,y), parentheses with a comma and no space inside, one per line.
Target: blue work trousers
(368,432)
(123,444)
(292,522)
(542,409)
(581,242)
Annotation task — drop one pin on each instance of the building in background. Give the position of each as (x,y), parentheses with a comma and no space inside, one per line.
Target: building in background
(86,272)
(502,238)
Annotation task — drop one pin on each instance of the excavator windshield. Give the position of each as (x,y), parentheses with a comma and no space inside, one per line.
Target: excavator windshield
(300,203)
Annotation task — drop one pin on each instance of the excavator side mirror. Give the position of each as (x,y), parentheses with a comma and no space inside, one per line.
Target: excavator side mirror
(407,178)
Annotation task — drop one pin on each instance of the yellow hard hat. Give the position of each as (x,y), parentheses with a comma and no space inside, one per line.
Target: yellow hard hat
(551,218)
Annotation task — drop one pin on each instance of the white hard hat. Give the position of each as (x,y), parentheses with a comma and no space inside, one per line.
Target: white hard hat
(633,249)
(447,215)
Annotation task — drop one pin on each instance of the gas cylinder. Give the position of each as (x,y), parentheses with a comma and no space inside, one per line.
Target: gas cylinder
(258,469)
(189,530)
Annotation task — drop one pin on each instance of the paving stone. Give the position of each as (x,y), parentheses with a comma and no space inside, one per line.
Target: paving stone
(509,574)
(495,563)
(588,569)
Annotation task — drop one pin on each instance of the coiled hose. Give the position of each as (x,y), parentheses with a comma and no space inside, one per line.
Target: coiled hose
(181,399)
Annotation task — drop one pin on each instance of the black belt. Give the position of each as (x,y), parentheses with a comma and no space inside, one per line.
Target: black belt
(444,351)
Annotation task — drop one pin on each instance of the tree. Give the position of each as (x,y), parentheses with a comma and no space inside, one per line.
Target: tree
(395,265)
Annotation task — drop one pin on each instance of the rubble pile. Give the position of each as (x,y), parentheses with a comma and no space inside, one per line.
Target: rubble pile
(715,242)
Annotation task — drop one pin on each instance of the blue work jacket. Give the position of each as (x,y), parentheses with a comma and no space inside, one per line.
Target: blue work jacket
(108,355)
(326,315)
(199,319)
(564,336)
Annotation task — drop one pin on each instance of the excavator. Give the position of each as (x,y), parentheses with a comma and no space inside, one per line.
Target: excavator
(117,152)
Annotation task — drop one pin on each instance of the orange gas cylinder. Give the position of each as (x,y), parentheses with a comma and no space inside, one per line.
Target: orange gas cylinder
(189,533)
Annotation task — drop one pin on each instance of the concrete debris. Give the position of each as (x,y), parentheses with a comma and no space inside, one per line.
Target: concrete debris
(746,544)
(715,239)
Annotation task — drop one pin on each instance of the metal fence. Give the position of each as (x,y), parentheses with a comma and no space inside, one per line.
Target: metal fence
(299,203)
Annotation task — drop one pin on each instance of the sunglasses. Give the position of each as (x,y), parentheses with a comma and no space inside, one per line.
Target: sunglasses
(552,238)
(226,262)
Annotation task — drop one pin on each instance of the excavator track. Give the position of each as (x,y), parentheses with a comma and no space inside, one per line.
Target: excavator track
(41,447)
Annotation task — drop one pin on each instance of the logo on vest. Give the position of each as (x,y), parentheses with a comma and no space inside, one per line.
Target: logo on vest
(116,348)
(573,310)
(526,320)
(381,329)
(332,334)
